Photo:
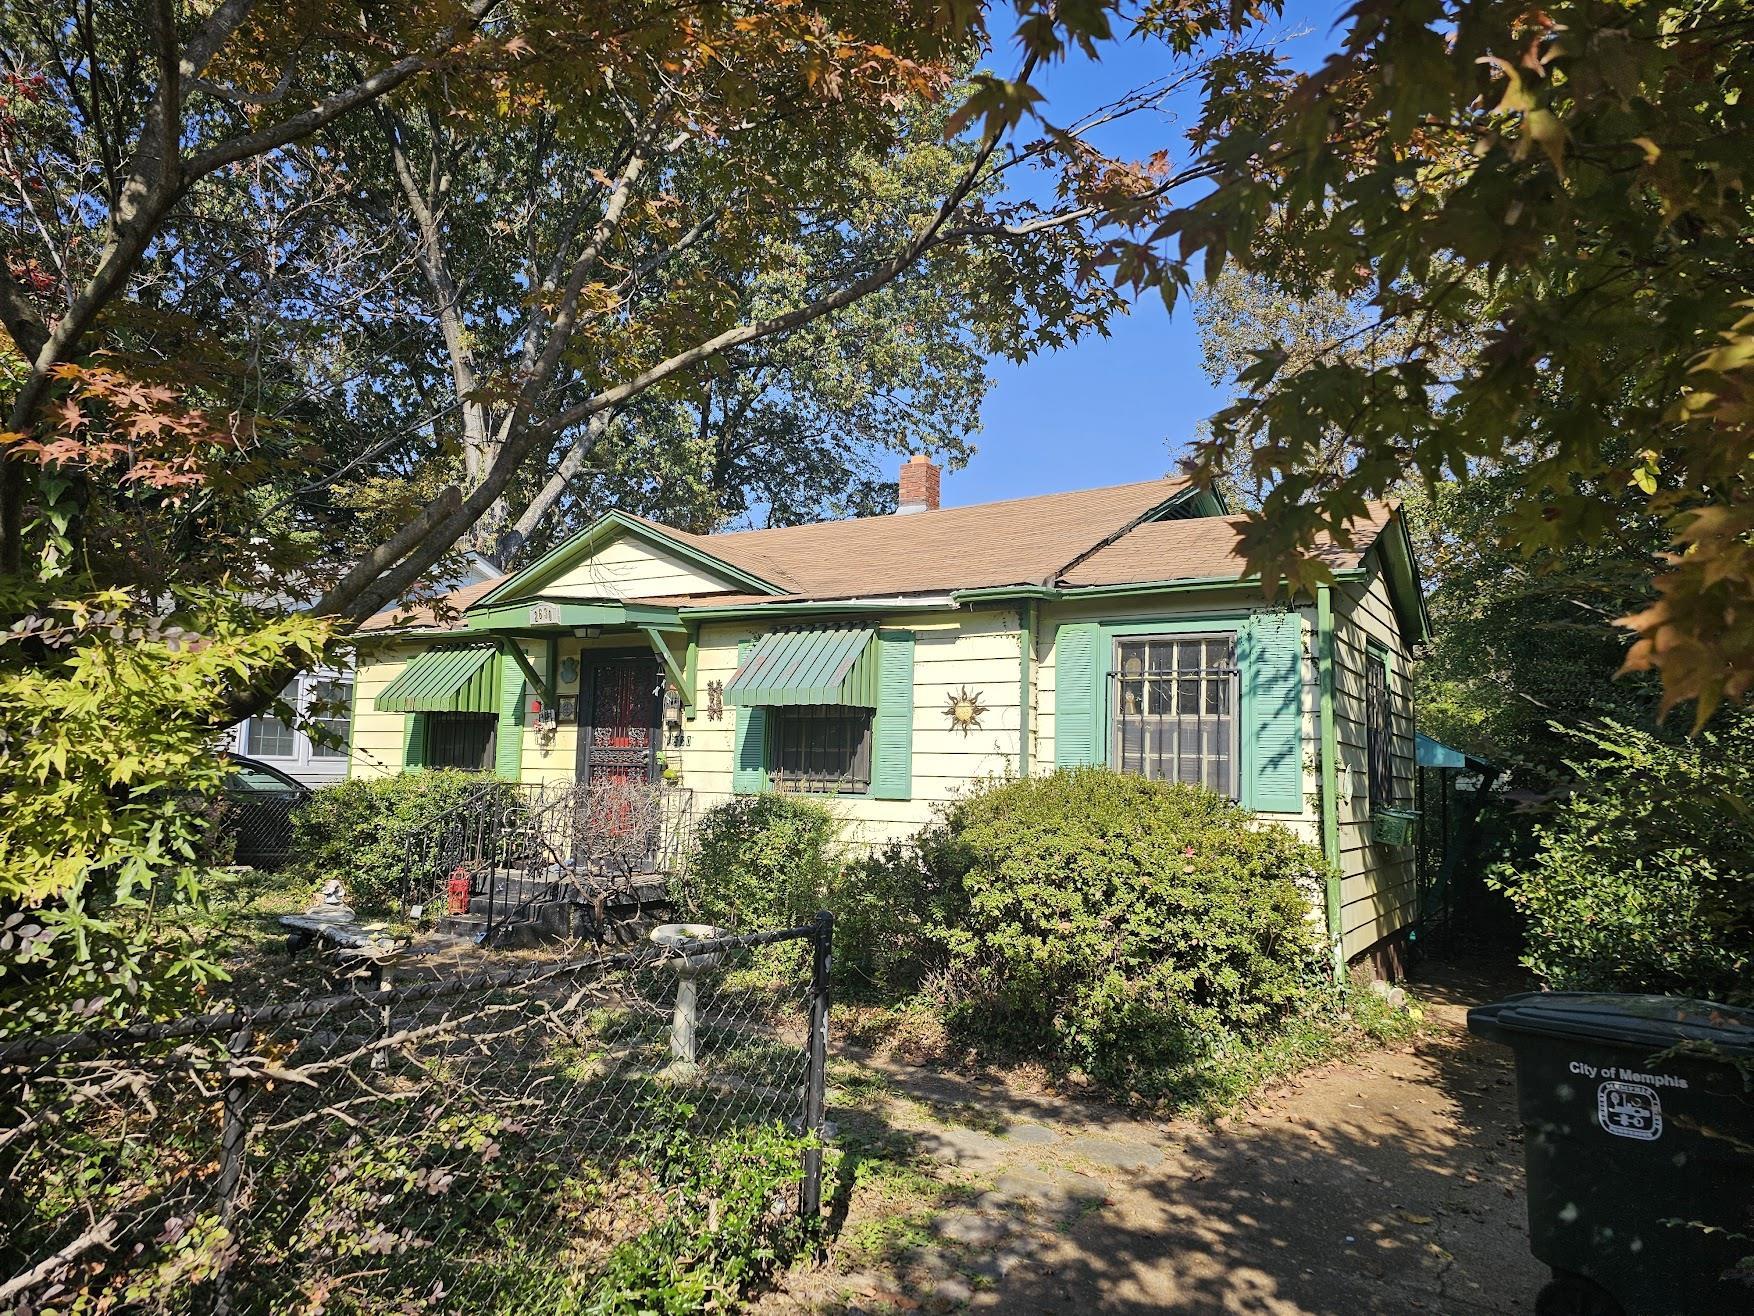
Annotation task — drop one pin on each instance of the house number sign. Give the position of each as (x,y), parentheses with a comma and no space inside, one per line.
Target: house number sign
(544,614)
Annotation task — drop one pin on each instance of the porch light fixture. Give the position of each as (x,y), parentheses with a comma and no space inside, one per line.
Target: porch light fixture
(589,632)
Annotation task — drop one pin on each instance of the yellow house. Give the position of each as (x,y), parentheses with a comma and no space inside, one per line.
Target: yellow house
(885,664)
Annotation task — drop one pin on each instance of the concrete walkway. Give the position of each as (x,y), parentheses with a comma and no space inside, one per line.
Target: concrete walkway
(1392,1183)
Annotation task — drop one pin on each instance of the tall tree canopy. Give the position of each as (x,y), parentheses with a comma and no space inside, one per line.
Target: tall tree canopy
(1567,186)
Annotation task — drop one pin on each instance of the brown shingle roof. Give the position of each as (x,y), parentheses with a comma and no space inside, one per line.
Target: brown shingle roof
(1202,548)
(424,616)
(1022,541)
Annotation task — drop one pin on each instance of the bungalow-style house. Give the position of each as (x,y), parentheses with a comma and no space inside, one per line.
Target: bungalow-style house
(884,664)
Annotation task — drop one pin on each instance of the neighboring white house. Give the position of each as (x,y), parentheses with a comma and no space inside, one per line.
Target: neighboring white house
(321,697)
(886,664)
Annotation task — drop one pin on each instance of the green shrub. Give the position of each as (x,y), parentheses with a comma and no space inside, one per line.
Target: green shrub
(369,831)
(1643,878)
(1121,926)
(886,905)
(763,861)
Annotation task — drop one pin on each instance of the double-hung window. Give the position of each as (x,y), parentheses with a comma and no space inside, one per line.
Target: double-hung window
(819,749)
(268,737)
(329,709)
(1174,714)
(1379,728)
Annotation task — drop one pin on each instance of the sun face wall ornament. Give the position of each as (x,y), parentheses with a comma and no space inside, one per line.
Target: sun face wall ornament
(964,710)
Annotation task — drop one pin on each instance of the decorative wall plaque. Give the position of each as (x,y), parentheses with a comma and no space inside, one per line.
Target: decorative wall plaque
(964,710)
(715,701)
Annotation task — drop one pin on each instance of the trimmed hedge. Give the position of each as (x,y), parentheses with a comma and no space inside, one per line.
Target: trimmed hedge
(361,830)
(1121,926)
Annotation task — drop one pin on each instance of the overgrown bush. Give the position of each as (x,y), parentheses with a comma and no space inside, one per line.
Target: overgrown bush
(1125,927)
(761,861)
(107,779)
(369,831)
(887,907)
(1643,878)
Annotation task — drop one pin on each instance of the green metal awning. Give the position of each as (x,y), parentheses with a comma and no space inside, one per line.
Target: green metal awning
(808,667)
(445,681)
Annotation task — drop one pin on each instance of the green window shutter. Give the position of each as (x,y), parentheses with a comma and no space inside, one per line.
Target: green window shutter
(1080,695)
(508,740)
(413,741)
(749,768)
(1270,654)
(892,728)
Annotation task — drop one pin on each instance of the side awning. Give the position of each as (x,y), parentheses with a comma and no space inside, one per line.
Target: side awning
(808,667)
(1435,754)
(462,680)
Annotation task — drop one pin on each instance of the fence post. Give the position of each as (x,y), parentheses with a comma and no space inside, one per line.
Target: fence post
(817,1084)
(231,1155)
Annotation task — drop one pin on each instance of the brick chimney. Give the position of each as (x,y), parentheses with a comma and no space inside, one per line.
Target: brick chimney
(918,485)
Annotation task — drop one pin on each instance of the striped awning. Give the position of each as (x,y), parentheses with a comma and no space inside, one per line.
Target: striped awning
(808,667)
(464,680)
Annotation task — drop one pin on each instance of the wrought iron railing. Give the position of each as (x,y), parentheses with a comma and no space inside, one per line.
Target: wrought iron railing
(589,852)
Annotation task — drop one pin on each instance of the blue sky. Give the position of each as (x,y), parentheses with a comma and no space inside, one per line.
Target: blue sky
(1109,410)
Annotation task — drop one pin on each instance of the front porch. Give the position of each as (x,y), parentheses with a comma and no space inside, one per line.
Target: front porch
(558,859)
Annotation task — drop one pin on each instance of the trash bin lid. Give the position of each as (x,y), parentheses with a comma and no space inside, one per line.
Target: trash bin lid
(1651,1023)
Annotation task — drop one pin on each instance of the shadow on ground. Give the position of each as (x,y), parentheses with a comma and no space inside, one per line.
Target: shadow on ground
(1391,1183)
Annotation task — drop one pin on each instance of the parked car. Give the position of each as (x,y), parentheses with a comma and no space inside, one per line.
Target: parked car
(254,815)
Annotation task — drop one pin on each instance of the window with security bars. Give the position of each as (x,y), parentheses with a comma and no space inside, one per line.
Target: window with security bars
(819,749)
(267,737)
(460,740)
(1379,729)
(1175,710)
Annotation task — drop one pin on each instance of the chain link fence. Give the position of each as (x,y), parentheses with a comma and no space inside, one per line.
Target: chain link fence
(579,1136)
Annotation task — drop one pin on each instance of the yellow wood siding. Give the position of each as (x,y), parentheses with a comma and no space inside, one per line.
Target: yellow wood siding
(376,739)
(625,568)
(976,649)
(1378,895)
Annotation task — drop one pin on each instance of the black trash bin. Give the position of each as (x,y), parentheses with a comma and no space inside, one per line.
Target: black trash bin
(1640,1156)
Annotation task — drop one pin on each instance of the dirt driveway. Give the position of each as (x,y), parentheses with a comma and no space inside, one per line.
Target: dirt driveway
(1391,1183)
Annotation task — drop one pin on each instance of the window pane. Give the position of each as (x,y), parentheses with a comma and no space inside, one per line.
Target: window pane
(330,702)
(820,749)
(1173,717)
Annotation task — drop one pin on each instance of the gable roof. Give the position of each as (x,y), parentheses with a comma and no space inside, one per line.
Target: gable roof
(1149,532)
(1020,541)
(1204,549)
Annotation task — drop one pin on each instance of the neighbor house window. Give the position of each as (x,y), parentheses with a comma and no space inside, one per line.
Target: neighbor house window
(328,709)
(1175,710)
(819,749)
(460,740)
(1379,730)
(267,737)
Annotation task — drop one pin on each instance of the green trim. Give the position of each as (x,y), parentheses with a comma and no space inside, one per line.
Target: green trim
(508,742)
(449,680)
(749,757)
(853,607)
(1401,571)
(892,727)
(1082,657)
(1330,775)
(1025,679)
(537,683)
(825,666)
(676,672)
(413,741)
(609,526)
(691,673)
(1073,593)
(566,615)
